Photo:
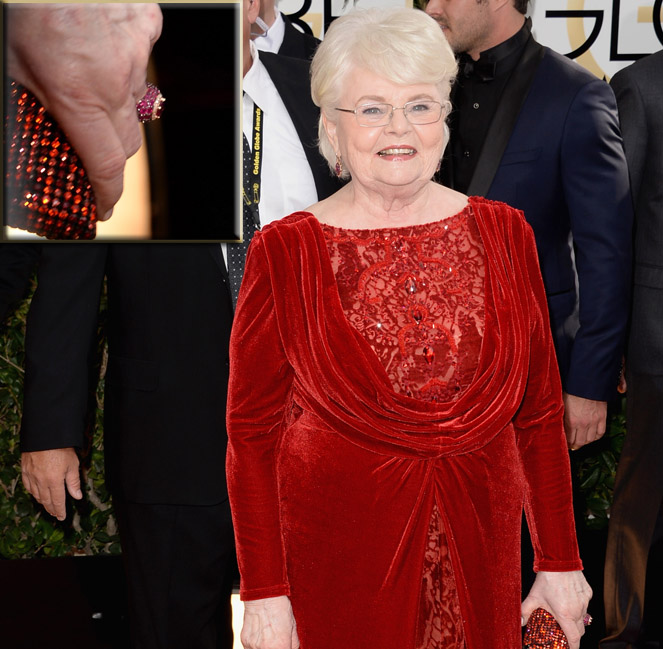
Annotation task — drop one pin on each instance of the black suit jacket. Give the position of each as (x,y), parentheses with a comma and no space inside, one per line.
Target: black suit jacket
(168,324)
(639,91)
(296,43)
(635,532)
(554,150)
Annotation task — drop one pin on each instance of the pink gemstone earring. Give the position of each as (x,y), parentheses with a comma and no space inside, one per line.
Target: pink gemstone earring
(338,169)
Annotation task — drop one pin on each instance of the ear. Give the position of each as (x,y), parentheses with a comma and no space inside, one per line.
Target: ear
(330,130)
(252,10)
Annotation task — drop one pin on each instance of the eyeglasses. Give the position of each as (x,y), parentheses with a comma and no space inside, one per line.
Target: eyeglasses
(419,112)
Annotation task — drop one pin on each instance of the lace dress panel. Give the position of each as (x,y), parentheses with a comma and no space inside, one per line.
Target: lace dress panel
(416,294)
(440,624)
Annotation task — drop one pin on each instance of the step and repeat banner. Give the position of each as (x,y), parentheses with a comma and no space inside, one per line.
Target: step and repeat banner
(602,35)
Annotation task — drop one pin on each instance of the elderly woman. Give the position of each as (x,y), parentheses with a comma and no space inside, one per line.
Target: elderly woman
(394,399)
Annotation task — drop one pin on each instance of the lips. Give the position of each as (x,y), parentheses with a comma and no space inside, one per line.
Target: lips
(397,151)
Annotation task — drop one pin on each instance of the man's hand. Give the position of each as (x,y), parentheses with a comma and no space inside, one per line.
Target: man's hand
(584,420)
(87,65)
(45,474)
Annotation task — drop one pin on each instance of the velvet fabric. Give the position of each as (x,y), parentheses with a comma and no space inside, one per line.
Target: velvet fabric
(333,476)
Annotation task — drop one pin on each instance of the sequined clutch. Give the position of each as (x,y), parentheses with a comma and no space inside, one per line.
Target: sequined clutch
(47,191)
(543,632)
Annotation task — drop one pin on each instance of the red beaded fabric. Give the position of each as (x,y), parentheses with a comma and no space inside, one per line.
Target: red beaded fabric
(417,294)
(46,188)
(543,632)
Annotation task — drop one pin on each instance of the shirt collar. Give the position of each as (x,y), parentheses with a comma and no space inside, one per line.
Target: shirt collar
(273,38)
(509,46)
(505,55)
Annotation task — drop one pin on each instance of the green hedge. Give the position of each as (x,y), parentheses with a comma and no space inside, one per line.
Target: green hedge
(26,530)
(596,471)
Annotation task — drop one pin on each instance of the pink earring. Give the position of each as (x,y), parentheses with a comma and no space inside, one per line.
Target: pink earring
(338,169)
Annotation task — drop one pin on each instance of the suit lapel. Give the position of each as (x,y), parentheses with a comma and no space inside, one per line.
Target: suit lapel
(504,120)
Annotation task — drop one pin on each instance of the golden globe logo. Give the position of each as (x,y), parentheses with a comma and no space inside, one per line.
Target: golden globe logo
(602,35)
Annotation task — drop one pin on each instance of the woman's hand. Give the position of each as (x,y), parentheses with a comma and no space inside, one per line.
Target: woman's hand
(565,595)
(269,624)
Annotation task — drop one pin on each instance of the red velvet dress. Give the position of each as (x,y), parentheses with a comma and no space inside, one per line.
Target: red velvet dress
(377,474)
(416,295)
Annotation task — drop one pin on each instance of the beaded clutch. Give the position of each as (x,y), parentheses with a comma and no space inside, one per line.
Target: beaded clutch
(47,191)
(543,632)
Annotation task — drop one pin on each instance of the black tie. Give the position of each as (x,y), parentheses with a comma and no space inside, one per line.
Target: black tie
(237,251)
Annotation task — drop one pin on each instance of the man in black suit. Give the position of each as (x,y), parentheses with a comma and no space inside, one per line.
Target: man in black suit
(169,318)
(279,87)
(636,518)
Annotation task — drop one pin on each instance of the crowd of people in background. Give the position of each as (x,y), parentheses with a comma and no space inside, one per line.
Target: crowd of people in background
(469,265)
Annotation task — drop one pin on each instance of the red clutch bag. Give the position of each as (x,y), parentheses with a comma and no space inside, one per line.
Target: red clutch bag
(47,191)
(543,632)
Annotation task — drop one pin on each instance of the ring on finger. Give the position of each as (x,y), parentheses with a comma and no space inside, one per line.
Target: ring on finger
(150,106)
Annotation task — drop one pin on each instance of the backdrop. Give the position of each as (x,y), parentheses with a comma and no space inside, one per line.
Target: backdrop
(602,35)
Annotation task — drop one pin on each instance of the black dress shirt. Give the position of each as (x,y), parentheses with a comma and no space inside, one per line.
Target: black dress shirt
(476,95)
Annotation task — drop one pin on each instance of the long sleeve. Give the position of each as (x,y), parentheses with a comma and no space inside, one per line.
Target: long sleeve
(17,261)
(260,383)
(61,329)
(596,187)
(634,126)
(541,440)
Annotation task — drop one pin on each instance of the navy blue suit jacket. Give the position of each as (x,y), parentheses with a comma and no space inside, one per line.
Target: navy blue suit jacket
(554,150)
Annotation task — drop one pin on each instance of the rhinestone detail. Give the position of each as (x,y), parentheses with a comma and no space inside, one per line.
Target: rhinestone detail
(47,190)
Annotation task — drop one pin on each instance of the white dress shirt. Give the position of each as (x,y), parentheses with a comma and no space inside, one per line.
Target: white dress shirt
(273,39)
(287,183)
(286,180)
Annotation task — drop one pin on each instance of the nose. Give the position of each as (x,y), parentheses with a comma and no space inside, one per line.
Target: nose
(399,122)
(433,7)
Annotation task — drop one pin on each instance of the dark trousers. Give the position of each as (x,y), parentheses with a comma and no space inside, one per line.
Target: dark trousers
(636,523)
(180,565)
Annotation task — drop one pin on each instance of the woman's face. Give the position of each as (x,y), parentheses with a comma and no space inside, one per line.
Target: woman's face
(397,154)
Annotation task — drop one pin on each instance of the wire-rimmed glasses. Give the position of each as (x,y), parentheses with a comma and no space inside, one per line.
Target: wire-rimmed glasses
(422,111)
